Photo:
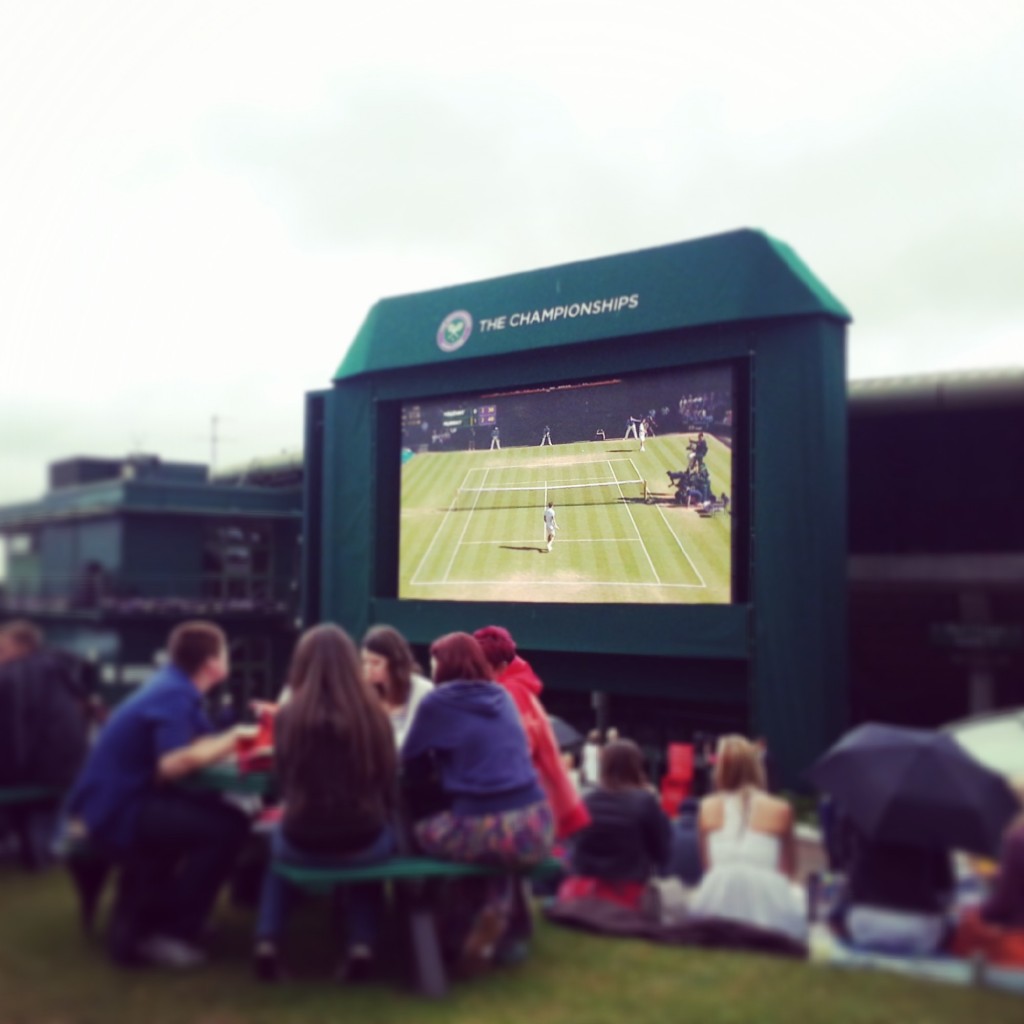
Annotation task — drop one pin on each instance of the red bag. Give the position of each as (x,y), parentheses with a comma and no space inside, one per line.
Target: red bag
(1001,946)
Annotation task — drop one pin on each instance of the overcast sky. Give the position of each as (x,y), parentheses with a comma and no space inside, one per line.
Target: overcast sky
(199,201)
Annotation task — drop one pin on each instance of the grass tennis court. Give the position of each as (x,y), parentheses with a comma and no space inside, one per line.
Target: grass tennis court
(472,525)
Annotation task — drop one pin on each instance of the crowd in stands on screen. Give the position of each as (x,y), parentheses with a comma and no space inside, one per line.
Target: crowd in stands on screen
(700,412)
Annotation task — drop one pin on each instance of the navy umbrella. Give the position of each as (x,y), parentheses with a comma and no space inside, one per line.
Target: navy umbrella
(916,787)
(566,736)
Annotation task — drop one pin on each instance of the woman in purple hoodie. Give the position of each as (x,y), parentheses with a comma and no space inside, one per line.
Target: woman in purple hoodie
(498,812)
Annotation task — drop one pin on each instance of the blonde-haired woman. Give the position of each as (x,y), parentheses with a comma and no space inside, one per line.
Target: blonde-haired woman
(748,848)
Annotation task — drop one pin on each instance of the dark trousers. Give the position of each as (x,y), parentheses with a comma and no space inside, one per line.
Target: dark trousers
(185,847)
(34,825)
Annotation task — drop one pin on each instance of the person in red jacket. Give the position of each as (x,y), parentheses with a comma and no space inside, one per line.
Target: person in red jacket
(516,676)
(571,815)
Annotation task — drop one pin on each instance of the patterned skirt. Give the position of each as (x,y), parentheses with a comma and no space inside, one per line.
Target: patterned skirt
(514,839)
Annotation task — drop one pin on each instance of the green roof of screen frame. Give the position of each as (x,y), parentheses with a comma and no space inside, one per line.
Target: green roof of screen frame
(730,278)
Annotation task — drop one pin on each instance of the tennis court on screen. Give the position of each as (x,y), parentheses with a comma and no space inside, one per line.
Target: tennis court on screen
(473,528)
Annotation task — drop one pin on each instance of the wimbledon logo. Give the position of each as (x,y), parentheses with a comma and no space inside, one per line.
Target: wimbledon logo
(454,331)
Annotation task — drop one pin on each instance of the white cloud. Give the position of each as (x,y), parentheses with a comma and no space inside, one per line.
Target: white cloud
(201,201)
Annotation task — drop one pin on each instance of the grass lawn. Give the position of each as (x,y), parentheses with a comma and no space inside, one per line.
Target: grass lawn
(472,525)
(50,974)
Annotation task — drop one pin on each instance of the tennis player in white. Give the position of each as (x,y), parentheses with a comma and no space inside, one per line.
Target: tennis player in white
(550,526)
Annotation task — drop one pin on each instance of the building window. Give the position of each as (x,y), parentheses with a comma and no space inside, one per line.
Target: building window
(251,675)
(237,563)
(21,544)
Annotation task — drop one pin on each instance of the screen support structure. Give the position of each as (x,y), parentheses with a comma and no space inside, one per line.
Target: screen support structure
(774,659)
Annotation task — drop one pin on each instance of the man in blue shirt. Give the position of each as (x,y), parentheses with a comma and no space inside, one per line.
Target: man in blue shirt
(177,846)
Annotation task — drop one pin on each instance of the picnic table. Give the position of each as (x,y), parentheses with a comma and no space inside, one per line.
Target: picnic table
(229,777)
(417,903)
(17,795)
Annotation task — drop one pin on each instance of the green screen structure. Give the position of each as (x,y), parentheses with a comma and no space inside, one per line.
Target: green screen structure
(418,515)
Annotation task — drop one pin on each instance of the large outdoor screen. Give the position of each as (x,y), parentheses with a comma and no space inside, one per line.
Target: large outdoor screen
(636,469)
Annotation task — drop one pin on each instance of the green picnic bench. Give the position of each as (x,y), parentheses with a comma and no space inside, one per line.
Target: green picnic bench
(13,796)
(418,910)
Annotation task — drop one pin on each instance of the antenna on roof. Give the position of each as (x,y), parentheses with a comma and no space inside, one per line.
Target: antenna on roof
(214,438)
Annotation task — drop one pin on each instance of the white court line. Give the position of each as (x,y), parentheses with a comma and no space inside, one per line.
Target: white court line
(465,527)
(675,537)
(544,464)
(575,540)
(549,486)
(629,511)
(559,583)
(680,543)
(440,527)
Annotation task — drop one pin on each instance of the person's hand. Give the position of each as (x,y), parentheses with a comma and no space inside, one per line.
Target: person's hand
(263,707)
(244,731)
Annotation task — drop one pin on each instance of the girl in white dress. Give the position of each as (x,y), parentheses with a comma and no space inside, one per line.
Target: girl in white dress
(748,848)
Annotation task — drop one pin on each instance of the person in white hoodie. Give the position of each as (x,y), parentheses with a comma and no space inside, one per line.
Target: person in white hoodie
(389,667)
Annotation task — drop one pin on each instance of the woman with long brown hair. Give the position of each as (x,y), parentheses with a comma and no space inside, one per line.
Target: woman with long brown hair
(336,764)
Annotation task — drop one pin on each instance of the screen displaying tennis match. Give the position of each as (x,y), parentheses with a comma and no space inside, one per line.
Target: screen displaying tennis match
(614,490)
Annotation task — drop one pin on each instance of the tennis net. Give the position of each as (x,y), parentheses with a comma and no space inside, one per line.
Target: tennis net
(601,492)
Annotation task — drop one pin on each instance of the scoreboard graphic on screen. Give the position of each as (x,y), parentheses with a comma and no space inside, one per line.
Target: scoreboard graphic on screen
(469,416)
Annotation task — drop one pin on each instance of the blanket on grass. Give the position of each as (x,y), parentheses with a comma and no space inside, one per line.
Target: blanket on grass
(710,933)
(829,949)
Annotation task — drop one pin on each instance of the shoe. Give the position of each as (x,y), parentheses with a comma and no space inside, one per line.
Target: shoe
(167,951)
(358,967)
(482,940)
(266,963)
(511,952)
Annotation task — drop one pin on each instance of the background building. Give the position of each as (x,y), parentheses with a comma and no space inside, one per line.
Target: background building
(119,550)
(936,562)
